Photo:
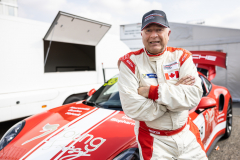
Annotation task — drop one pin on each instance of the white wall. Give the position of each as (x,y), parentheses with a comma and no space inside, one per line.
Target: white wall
(111,49)
(22,60)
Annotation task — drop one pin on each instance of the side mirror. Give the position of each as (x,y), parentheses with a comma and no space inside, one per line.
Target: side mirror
(91,92)
(206,102)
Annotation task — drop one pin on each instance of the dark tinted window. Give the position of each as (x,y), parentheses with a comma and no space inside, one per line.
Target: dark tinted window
(107,96)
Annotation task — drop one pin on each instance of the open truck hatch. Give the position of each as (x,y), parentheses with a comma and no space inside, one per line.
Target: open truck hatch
(70,43)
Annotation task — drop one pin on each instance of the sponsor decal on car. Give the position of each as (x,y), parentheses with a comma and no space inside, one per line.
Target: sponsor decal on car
(111,82)
(200,123)
(220,115)
(216,129)
(74,139)
(124,119)
(75,111)
(90,144)
(207,57)
(48,128)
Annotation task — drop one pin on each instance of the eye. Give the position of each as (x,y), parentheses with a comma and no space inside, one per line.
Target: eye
(148,30)
(160,29)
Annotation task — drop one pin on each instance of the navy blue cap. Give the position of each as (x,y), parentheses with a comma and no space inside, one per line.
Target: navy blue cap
(155,16)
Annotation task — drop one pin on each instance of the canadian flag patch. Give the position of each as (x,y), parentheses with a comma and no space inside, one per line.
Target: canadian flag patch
(172,75)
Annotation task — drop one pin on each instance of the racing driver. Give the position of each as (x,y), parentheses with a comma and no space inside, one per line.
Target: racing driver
(157,86)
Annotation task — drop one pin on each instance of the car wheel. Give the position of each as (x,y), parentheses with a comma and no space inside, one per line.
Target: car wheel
(228,129)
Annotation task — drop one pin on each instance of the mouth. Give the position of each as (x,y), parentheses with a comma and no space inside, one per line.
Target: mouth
(154,42)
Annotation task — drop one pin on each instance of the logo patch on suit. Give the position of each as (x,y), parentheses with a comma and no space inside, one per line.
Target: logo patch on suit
(149,75)
(172,75)
(171,66)
(171,70)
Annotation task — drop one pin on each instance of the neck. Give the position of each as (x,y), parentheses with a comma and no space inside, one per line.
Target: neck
(155,53)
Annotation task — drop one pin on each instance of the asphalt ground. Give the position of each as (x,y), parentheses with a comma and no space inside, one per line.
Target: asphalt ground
(229,148)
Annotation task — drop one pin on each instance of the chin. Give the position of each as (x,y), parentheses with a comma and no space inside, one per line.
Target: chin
(156,51)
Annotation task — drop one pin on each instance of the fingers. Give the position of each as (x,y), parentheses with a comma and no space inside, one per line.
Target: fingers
(181,80)
(187,80)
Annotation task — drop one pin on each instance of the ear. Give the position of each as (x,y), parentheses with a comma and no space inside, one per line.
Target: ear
(141,33)
(169,32)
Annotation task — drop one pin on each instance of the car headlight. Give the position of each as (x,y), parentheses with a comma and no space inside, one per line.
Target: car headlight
(129,154)
(11,134)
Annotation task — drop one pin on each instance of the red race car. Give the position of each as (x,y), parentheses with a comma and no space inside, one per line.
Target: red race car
(97,128)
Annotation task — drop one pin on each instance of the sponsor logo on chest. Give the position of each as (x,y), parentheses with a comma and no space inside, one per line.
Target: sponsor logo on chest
(149,75)
(172,75)
(171,66)
(171,70)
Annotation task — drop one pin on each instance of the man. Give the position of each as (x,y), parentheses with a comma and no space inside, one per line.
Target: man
(157,86)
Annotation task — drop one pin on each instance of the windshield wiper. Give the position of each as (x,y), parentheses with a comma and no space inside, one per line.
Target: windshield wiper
(93,104)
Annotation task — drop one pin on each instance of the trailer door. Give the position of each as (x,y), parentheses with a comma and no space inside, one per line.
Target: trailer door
(69,44)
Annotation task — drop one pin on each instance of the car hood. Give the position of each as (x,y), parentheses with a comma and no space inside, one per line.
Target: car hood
(73,131)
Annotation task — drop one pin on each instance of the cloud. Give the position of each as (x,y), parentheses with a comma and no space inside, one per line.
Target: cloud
(39,9)
(229,20)
(127,10)
(120,12)
(127,7)
(115,12)
(186,5)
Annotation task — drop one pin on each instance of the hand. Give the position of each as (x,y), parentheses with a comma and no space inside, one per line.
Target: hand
(187,80)
(143,91)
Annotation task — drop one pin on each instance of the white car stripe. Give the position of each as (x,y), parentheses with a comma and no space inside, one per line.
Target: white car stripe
(62,128)
(58,142)
(218,128)
(85,134)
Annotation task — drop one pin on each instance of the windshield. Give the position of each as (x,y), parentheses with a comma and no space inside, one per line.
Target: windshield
(107,96)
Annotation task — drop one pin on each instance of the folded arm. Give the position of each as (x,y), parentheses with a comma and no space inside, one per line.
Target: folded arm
(134,105)
(184,95)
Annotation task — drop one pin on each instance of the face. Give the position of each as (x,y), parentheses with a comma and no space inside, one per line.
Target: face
(155,38)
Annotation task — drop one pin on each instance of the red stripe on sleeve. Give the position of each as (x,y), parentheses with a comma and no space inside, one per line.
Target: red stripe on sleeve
(128,62)
(184,57)
(153,92)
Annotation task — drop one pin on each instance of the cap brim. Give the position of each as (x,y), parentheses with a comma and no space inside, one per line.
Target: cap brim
(155,23)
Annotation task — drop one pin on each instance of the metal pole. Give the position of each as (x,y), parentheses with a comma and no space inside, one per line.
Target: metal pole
(103,73)
(49,46)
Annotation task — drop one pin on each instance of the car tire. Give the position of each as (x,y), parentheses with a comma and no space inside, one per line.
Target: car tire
(229,116)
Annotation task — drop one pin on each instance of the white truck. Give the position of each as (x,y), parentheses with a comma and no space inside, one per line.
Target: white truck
(42,68)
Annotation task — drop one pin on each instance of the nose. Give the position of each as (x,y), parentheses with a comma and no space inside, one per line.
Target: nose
(154,34)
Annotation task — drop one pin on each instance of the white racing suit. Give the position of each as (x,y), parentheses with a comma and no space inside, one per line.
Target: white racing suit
(166,108)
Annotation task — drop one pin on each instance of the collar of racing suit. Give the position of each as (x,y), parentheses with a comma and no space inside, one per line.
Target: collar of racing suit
(154,57)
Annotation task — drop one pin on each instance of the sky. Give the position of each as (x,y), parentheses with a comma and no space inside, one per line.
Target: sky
(221,13)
